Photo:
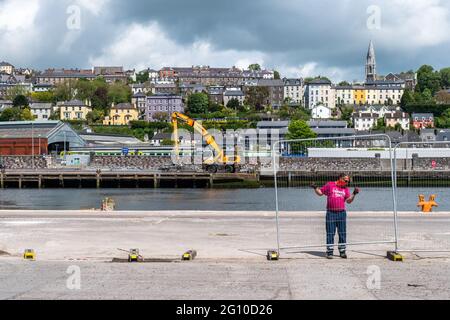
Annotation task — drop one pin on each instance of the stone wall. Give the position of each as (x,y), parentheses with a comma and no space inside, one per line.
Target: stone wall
(427,164)
(23,162)
(286,164)
(130,162)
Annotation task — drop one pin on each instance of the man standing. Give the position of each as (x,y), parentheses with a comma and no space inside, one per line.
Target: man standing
(337,194)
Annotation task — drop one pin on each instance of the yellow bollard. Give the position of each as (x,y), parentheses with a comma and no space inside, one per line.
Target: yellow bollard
(427,206)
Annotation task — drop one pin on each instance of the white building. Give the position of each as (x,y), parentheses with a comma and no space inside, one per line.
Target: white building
(233,94)
(153,74)
(41,111)
(380,110)
(321,112)
(320,91)
(6,67)
(293,90)
(364,121)
(44,87)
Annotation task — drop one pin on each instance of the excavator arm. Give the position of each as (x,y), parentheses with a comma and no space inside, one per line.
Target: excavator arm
(220,157)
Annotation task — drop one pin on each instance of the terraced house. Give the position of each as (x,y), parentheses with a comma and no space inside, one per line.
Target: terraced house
(293,90)
(320,92)
(58,76)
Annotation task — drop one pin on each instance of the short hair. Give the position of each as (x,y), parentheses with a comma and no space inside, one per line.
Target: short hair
(342,175)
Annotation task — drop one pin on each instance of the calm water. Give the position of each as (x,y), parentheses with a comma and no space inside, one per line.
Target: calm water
(372,199)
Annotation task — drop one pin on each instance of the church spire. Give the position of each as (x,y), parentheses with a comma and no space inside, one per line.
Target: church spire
(371,64)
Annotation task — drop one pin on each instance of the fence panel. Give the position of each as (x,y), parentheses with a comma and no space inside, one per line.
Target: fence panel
(302,222)
(422,172)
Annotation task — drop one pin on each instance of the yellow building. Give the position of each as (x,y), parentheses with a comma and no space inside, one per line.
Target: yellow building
(121,114)
(360,95)
(74,110)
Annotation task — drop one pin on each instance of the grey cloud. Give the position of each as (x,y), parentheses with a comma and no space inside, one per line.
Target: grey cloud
(290,33)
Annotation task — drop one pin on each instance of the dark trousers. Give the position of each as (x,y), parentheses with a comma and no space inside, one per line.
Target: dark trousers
(336,221)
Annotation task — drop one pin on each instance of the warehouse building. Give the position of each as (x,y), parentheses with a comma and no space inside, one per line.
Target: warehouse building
(37,137)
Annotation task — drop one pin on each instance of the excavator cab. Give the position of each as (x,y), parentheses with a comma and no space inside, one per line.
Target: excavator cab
(133,255)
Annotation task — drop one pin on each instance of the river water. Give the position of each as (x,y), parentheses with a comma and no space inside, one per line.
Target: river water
(371,199)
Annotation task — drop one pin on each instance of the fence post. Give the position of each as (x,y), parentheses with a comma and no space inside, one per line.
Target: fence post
(276,195)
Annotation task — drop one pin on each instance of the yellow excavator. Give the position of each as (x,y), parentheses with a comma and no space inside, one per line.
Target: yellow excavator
(219,161)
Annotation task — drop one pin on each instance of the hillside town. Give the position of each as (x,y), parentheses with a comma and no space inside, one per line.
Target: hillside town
(121,106)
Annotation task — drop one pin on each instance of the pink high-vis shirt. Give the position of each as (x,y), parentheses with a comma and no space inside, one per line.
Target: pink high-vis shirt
(336,196)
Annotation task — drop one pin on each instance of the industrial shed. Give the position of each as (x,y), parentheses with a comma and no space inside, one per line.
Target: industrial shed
(37,137)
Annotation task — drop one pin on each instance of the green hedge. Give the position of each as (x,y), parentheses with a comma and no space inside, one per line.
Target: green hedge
(436,109)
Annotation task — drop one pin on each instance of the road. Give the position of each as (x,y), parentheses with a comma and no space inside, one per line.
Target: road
(230,263)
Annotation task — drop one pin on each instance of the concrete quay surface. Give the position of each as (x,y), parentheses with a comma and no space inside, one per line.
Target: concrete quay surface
(231,256)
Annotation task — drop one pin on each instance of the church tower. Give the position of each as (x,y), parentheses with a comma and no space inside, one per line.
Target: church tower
(371,64)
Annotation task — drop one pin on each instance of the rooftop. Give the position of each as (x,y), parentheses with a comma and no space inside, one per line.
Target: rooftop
(272,124)
(320,81)
(233,93)
(124,105)
(422,115)
(40,105)
(327,124)
(75,103)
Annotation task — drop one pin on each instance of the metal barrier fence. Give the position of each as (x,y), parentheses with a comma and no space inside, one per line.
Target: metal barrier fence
(301,219)
(422,181)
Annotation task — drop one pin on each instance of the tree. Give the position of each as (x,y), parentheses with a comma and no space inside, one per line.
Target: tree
(95,116)
(84,89)
(11,114)
(427,78)
(407,98)
(100,98)
(380,125)
(344,83)
(299,129)
(233,104)
(198,103)
(119,92)
(254,67)
(142,76)
(15,91)
(55,115)
(64,91)
(26,115)
(301,114)
(445,77)
(16,114)
(257,97)
(45,96)
(160,116)
(214,106)
(20,101)
(346,114)
(427,95)
(308,80)
(443,121)
(276,75)
(443,97)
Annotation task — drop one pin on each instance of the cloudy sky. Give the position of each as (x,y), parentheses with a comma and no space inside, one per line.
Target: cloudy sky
(296,37)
